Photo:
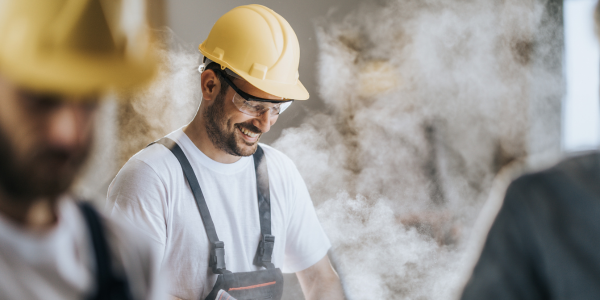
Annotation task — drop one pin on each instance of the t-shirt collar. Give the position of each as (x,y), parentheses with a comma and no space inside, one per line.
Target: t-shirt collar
(197,155)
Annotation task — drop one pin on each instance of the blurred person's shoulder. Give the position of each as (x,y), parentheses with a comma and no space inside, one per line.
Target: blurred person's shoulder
(578,169)
(584,166)
(572,183)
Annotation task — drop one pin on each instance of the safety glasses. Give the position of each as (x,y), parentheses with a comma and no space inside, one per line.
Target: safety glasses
(255,106)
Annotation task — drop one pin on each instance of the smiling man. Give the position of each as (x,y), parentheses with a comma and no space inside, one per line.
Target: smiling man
(226,213)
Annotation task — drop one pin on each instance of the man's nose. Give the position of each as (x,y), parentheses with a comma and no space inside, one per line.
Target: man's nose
(264,121)
(68,126)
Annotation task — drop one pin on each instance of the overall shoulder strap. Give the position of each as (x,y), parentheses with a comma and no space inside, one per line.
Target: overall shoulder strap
(264,252)
(108,285)
(217,252)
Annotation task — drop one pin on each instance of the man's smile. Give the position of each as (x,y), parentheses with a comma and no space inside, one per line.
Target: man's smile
(248,134)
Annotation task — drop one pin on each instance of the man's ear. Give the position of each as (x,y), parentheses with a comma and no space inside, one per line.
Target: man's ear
(211,86)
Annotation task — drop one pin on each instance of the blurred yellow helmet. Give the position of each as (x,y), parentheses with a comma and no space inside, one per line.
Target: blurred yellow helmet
(261,47)
(75,46)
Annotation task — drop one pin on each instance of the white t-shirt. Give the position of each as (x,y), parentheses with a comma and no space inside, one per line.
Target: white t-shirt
(152,193)
(60,264)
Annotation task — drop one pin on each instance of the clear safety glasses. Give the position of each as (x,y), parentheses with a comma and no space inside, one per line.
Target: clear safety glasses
(255,106)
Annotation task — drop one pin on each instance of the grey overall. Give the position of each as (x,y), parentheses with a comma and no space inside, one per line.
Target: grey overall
(257,285)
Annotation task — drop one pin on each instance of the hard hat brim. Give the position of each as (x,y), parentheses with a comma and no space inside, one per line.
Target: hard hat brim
(73,75)
(295,91)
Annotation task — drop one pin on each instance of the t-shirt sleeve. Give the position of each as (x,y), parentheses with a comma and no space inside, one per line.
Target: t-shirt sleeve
(507,267)
(140,263)
(306,242)
(139,198)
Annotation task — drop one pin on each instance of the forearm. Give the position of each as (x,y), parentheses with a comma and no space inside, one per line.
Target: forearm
(320,281)
(330,289)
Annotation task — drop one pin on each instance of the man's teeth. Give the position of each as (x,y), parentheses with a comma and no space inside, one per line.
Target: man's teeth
(248,133)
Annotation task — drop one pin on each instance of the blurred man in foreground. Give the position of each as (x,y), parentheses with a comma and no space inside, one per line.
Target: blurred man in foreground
(545,241)
(56,59)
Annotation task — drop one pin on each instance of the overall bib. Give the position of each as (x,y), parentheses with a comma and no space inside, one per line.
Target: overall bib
(109,286)
(264,284)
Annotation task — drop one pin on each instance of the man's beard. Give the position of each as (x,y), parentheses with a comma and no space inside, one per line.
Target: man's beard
(43,172)
(219,131)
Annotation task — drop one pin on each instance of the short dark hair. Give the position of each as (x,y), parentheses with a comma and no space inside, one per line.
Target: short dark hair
(215,67)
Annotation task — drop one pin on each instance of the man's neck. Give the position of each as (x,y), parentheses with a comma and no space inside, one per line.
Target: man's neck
(39,215)
(196,131)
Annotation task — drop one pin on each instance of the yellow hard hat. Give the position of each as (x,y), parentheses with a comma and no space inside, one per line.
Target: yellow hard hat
(74,46)
(261,47)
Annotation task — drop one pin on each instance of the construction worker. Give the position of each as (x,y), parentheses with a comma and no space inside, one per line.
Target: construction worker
(57,57)
(544,241)
(229,214)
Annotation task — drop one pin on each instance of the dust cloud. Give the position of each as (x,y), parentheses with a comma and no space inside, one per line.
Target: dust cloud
(166,104)
(426,102)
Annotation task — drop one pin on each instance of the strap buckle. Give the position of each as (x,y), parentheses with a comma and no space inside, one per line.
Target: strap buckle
(264,252)
(217,258)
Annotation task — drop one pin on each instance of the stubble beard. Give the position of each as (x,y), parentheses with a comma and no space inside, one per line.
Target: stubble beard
(221,132)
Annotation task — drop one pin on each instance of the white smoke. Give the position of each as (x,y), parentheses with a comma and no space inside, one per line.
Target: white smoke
(427,101)
(168,103)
